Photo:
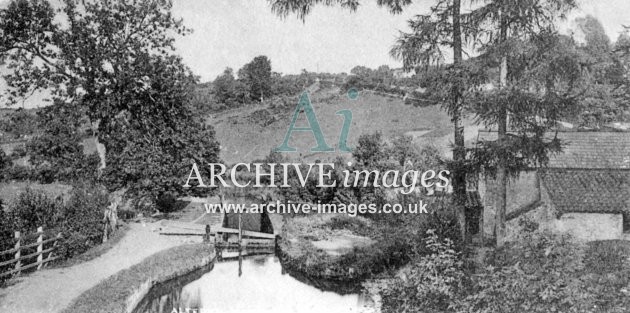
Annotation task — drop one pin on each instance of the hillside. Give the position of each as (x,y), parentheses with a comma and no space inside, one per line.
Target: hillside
(251,132)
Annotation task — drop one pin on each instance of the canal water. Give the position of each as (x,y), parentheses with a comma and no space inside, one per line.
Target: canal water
(251,283)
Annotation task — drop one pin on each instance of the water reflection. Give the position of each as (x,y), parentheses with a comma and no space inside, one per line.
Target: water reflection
(252,283)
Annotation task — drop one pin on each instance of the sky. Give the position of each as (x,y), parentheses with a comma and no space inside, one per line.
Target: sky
(230,33)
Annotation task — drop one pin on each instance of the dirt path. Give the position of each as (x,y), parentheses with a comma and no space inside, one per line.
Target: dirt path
(51,290)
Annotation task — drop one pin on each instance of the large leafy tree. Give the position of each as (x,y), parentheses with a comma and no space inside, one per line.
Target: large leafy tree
(56,150)
(441,28)
(114,61)
(257,77)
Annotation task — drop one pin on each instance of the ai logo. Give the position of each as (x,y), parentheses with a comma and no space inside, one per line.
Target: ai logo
(305,105)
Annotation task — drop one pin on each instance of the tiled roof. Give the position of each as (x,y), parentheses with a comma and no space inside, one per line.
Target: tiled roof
(586,150)
(588,191)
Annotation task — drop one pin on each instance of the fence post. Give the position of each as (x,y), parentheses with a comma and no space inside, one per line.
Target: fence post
(53,248)
(40,247)
(18,253)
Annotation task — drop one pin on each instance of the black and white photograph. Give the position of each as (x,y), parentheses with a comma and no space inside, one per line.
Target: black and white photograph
(315,156)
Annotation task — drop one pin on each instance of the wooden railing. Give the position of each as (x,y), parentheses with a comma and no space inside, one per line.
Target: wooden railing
(24,259)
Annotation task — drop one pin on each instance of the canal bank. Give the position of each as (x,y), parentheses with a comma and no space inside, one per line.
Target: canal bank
(123,291)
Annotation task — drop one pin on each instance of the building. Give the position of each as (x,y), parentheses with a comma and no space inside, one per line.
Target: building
(584,190)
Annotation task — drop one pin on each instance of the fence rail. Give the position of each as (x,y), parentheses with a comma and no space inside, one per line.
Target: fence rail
(30,260)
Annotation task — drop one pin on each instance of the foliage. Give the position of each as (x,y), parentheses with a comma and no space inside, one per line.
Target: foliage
(606,256)
(225,87)
(129,84)
(56,152)
(18,152)
(370,149)
(32,209)
(256,75)
(152,163)
(430,283)
(167,203)
(540,273)
(381,79)
(20,123)
(5,164)
(79,218)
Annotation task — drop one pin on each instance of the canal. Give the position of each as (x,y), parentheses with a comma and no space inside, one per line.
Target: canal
(251,283)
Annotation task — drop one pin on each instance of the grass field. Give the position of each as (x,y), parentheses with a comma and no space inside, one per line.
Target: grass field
(243,140)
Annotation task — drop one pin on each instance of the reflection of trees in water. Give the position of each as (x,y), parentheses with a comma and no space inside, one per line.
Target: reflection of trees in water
(163,298)
(174,300)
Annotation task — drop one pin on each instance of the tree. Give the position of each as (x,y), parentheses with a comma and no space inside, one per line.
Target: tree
(224,87)
(520,37)
(115,61)
(257,76)
(442,27)
(597,42)
(423,47)
(56,151)
(622,52)
(20,123)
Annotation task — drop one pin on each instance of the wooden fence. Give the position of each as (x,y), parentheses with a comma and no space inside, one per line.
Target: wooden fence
(24,258)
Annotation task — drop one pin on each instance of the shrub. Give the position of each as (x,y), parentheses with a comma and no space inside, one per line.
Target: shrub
(18,172)
(174,205)
(18,152)
(79,219)
(431,283)
(166,203)
(82,220)
(126,214)
(541,273)
(606,256)
(346,222)
(32,209)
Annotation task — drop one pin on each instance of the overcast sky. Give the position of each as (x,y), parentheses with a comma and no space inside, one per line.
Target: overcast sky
(232,32)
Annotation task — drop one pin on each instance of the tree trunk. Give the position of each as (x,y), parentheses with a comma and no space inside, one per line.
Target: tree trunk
(502,178)
(100,149)
(459,153)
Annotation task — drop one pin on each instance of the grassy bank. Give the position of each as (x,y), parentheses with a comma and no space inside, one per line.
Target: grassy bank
(336,247)
(122,292)
(96,251)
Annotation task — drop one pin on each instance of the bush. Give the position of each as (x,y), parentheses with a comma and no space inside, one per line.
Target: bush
(346,222)
(606,256)
(32,209)
(431,283)
(168,203)
(18,152)
(540,273)
(126,214)
(81,224)
(79,219)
